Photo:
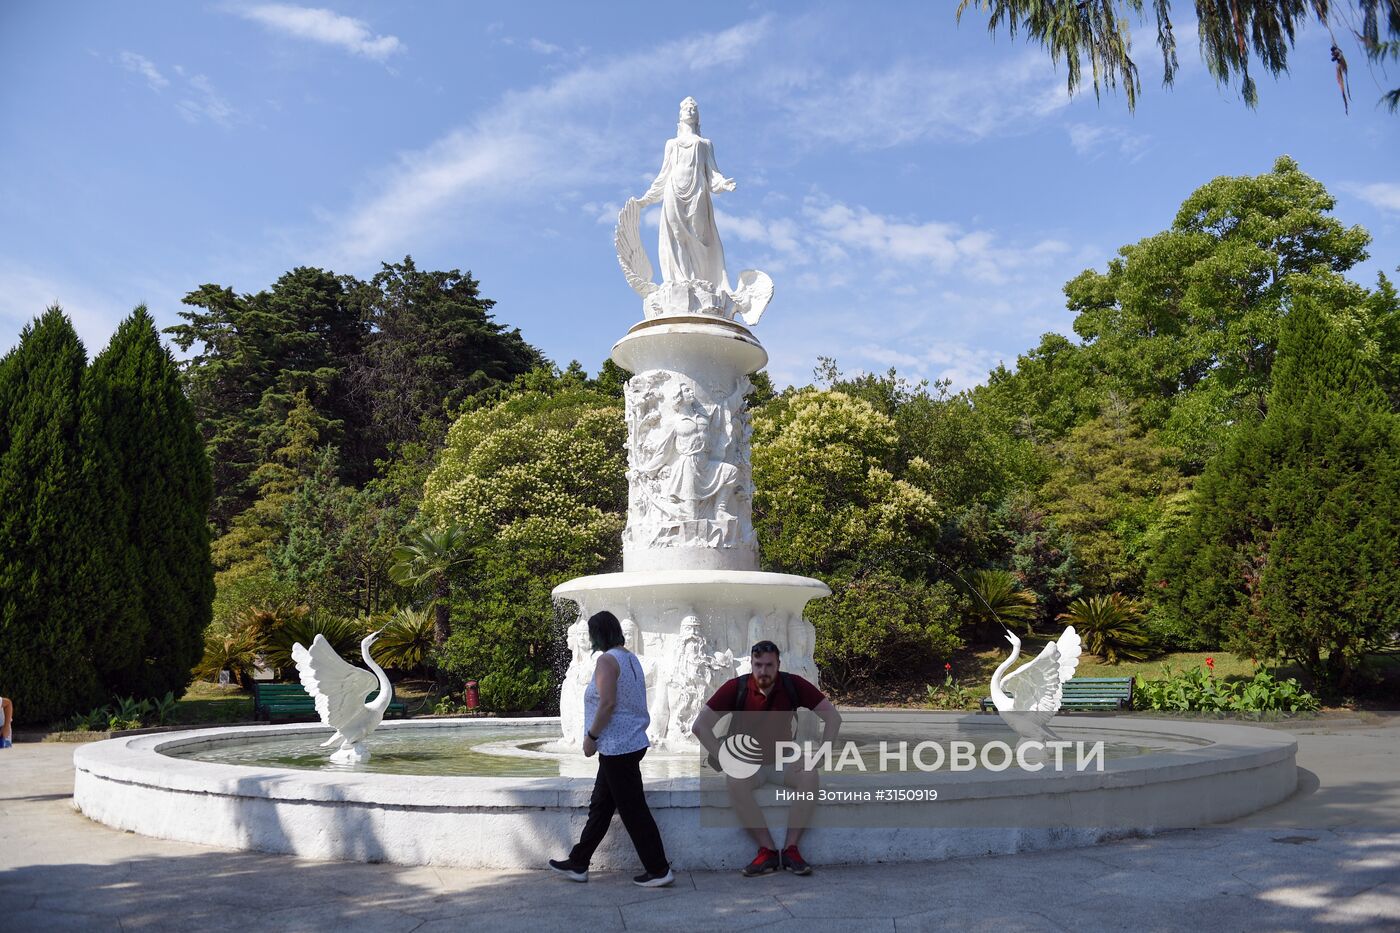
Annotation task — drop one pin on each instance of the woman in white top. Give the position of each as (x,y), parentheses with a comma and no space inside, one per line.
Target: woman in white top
(615,719)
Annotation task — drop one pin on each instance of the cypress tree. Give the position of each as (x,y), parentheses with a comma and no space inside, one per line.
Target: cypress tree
(1292,549)
(46,529)
(143,426)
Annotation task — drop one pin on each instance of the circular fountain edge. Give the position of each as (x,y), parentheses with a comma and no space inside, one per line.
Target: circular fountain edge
(518,822)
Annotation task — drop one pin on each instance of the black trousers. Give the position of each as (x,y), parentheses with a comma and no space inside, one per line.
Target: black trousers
(618,789)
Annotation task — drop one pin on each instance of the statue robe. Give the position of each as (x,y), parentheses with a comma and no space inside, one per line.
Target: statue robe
(689,248)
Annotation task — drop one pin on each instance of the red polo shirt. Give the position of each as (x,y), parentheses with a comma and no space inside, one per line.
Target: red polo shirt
(808,696)
(768,729)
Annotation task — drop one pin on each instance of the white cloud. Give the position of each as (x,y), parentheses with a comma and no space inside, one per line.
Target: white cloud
(203,102)
(197,98)
(140,64)
(1382,195)
(911,101)
(534,140)
(25,295)
(324,26)
(1090,141)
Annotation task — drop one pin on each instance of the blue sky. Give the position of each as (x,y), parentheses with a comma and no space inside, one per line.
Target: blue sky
(918,191)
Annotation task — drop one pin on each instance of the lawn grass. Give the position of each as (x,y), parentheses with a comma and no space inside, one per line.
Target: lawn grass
(204,702)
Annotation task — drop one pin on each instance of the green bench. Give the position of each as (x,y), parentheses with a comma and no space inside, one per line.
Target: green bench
(291,701)
(1089,693)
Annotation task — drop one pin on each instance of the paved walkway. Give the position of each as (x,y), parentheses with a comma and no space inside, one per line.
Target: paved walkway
(1329,858)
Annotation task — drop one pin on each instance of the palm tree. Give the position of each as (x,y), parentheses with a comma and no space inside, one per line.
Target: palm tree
(998,597)
(1110,626)
(429,557)
(408,638)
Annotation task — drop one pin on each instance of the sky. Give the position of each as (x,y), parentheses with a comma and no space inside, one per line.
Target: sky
(919,191)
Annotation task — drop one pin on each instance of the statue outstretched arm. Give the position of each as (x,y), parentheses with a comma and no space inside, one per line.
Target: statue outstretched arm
(658,187)
(718,182)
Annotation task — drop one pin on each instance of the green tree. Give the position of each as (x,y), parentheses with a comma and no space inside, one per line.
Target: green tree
(834,499)
(145,456)
(1184,324)
(256,356)
(830,492)
(1040,553)
(1111,627)
(252,534)
(433,343)
(1053,388)
(47,590)
(998,598)
(430,557)
(1234,34)
(538,477)
(1292,545)
(1110,481)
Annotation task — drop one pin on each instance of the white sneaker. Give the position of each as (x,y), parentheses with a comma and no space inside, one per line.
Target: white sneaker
(569,870)
(649,880)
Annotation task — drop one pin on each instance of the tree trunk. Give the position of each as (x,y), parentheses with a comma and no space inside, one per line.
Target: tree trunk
(442,625)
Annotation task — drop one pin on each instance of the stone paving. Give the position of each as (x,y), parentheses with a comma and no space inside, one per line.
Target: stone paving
(1329,858)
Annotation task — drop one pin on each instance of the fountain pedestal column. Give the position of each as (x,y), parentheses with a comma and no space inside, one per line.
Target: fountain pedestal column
(690,597)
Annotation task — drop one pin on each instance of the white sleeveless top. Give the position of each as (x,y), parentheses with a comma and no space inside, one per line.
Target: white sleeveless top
(626,731)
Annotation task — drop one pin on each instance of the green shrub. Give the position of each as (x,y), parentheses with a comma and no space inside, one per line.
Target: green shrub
(1197,690)
(1111,627)
(881,622)
(125,713)
(514,691)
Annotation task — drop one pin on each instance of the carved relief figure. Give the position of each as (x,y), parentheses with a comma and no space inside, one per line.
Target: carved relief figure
(689,466)
(802,639)
(576,678)
(692,671)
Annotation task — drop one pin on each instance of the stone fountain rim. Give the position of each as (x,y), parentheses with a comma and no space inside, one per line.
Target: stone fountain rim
(141,760)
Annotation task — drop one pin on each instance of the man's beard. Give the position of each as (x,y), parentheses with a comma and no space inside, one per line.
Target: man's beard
(765,680)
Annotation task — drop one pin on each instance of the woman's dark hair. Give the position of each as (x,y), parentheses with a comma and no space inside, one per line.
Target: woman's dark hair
(604,631)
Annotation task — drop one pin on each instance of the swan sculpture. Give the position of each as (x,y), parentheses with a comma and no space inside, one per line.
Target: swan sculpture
(1032,692)
(340,690)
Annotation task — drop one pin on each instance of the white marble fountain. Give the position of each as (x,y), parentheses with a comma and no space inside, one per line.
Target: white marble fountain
(497,793)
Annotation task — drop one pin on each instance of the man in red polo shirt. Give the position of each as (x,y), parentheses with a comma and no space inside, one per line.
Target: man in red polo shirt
(766,693)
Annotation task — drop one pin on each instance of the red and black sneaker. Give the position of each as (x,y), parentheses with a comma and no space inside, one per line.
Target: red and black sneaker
(794,862)
(766,862)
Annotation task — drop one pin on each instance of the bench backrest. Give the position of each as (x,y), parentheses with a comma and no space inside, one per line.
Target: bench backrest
(279,690)
(1109,688)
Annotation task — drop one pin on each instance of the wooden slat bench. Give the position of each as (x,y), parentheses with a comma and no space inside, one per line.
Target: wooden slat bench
(291,701)
(1089,693)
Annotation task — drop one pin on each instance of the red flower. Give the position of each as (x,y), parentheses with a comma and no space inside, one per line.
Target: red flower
(948,666)
(1210,663)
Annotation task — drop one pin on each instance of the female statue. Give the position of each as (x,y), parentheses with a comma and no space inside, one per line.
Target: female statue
(690,249)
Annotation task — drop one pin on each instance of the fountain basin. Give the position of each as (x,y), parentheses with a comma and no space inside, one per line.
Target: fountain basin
(1192,774)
